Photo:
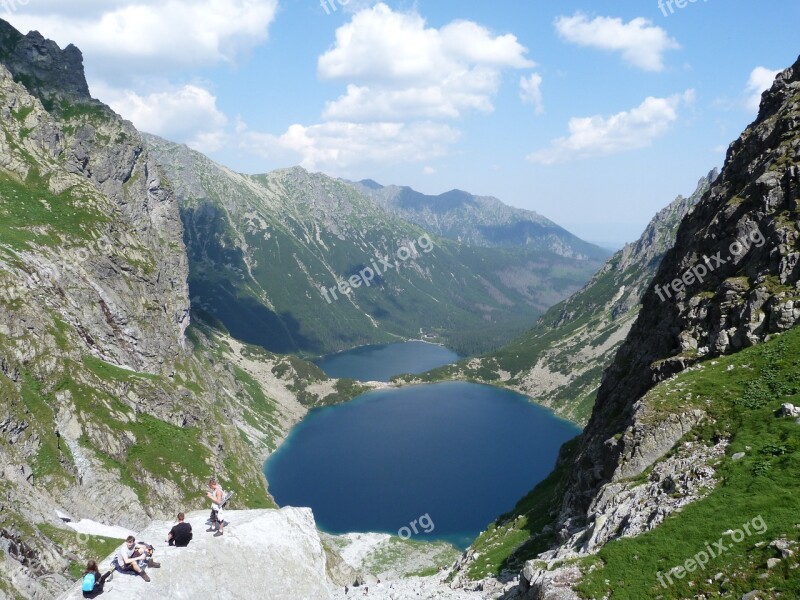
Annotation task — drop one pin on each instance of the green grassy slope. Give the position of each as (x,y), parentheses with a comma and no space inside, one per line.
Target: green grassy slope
(741,394)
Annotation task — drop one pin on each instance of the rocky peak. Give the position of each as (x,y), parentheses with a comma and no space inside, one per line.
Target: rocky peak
(48,72)
(659,236)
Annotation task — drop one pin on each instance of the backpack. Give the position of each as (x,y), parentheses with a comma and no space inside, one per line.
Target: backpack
(88,582)
(225,499)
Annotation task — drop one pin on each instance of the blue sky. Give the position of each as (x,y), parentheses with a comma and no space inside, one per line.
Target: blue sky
(594,114)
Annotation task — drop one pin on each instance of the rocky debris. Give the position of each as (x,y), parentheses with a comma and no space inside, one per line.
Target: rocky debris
(275,554)
(540,584)
(387,557)
(789,410)
(622,509)
(785,547)
(411,588)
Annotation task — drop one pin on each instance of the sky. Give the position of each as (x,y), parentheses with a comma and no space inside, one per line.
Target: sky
(593,114)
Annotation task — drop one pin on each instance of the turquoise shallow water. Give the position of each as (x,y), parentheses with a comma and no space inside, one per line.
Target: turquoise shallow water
(452,456)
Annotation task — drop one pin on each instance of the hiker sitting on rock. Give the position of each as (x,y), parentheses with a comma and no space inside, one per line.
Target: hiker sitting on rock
(216,495)
(181,534)
(133,557)
(92,582)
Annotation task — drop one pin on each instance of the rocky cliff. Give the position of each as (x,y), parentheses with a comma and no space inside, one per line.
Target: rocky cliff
(744,232)
(729,283)
(51,74)
(114,407)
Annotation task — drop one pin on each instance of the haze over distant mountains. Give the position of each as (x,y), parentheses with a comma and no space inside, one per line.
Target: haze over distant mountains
(480,221)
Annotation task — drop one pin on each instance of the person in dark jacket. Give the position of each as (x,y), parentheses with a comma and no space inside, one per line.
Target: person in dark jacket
(181,534)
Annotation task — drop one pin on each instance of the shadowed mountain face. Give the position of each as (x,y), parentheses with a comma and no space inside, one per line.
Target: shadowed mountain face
(480,221)
(267,254)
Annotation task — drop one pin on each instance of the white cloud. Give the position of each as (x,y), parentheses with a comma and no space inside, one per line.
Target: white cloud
(399,68)
(641,43)
(404,82)
(429,171)
(188,115)
(121,38)
(761,79)
(627,130)
(132,48)
(530,90)
(340,145)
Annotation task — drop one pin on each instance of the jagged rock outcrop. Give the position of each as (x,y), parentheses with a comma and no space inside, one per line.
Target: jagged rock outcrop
(50,73)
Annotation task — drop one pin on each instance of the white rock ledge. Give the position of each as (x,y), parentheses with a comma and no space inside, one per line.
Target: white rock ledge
(274,554)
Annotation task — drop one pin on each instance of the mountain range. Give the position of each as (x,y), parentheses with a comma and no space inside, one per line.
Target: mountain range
(155,308)
(143,287)
(267,254)
(480,221)
(559,362)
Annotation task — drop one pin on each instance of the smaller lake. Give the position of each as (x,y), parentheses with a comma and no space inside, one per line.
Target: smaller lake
(382,362)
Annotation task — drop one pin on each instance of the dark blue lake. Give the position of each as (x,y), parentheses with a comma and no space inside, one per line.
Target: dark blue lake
(382,362)
(460,453)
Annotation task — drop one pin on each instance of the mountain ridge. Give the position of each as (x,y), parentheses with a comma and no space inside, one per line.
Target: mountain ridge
(246,232)
(702,382)
(480,220)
